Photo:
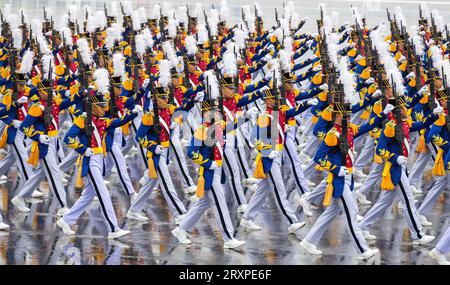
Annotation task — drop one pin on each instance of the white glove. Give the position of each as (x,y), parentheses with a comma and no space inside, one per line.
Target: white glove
(402,160)
(423,90)
(312,102)
(343,171)
(422,33)
(376,94)
(199,96)
(252,113)
(370,81)
(410,75)
(324,87)
(89,152)
(159,149)
(76,73)
(145,83)
(16,123)
(22,100)
(273,154)
(309,42)
(214,166)
(137,109)
(67,94)
(438,110)
(317,68)
(43,139)
(91,87)
(388,109)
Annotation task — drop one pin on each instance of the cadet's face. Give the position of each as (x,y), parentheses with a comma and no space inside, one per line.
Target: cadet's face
(443,103)
(175,81)
(43,95)
(162,102)
(288,86)
(192,68)
(270,103)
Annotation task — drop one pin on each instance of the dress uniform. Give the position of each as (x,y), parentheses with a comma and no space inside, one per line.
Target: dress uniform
(92,150)
(208,154)
(268,161)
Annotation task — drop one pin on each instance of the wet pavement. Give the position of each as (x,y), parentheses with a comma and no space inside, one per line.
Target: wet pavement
(34,237)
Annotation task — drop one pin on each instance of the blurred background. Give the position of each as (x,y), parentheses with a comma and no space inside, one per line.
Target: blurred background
(375,10)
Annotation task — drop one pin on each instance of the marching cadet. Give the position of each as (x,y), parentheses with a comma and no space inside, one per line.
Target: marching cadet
(335,155)
(206,151)
(154,135)
(89,136)
(268,137)
(13,112)
(41,125)
(393,148)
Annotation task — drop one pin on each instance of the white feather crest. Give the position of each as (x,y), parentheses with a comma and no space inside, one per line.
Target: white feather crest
(118,64)
(114,9)
(357,16)
(91,23)
(249,17)
(17,38)
(166,7)
(164,73)
(285,60)
(202,34)
(84,51)
(27,62)
(62,22)
(127,8)
(169,51)
(148,38)
(135,19)
(275,69)
(181,14)
(74,10)
(213,20)
(100,19)
(66,33)
(191,45)
(258,9)
(36,27)
(436,55)
(142,15)
(229,63)
(425,9)
(140,44)
(295,20)
(401,20)
(438,20)
(179,66)
(113,34)
(239,38)
(348,81)
(197,10)
(47,61)
(417,41)
(446,69)
(101,78)
(155,12)
(213,84)
(43,44)
(172,26)
(224,10)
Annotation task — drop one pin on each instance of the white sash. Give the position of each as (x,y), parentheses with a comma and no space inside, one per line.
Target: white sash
(161,120)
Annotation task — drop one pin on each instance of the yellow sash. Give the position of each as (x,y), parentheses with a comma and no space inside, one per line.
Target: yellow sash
(386,181)
(438,168)
(200,192)
(259,169)
(151,166)
(33,159)
(329,191)
(4,137)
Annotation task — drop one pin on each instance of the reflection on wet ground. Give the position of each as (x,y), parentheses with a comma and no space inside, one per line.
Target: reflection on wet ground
(35,239)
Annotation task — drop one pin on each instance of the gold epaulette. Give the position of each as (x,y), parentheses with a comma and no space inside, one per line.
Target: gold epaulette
(389,129)
(200,133)
(147,119)
(35,110)
(332,137)
(79,121)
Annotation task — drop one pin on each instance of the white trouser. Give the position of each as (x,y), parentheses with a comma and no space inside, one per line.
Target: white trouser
(373,178)
(115,158)
(214,196)
(48,167)
(273,180)
(441,183)
(179,158)
(69,161)
(167,189)
(418,168)
(231,168)
(17,153)
(402,192)
(366,154)
(95,186)
(443,245)
(290,157)
(345,204)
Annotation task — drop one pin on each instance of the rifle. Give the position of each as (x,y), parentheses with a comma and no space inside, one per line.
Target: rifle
(105,9)
(431,103)
(156,126)
(88,126)
(14,95)
(45,13)
(113,110)
(48,118)
(161,27)
(211,50)
(276,17)
(399,136)
(186,81)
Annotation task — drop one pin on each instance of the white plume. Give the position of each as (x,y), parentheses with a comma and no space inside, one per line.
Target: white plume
(101,78)
(118,64)
(140,44)
(47,60)
(211,79)
(43,44)
(401,20)
(135,19)
(417,41)
(224,10)
(165,8)
(197,10)
(36,26)
(100,19)
(127,8)
(74,10)
(148,38)
(436,55)
(155,13)
(66,34)
(259,11)
(348,81)
(169,51)
(84,51)
(114,9)
(17,38)
(142,15)
(229,63)
(202,34)
(213,20)
(357,16)
(164,73)
(239,38)
(113,34)
(285,60)
(91,23)
(172,26)
(191,45)
(27,62)
(181,14)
